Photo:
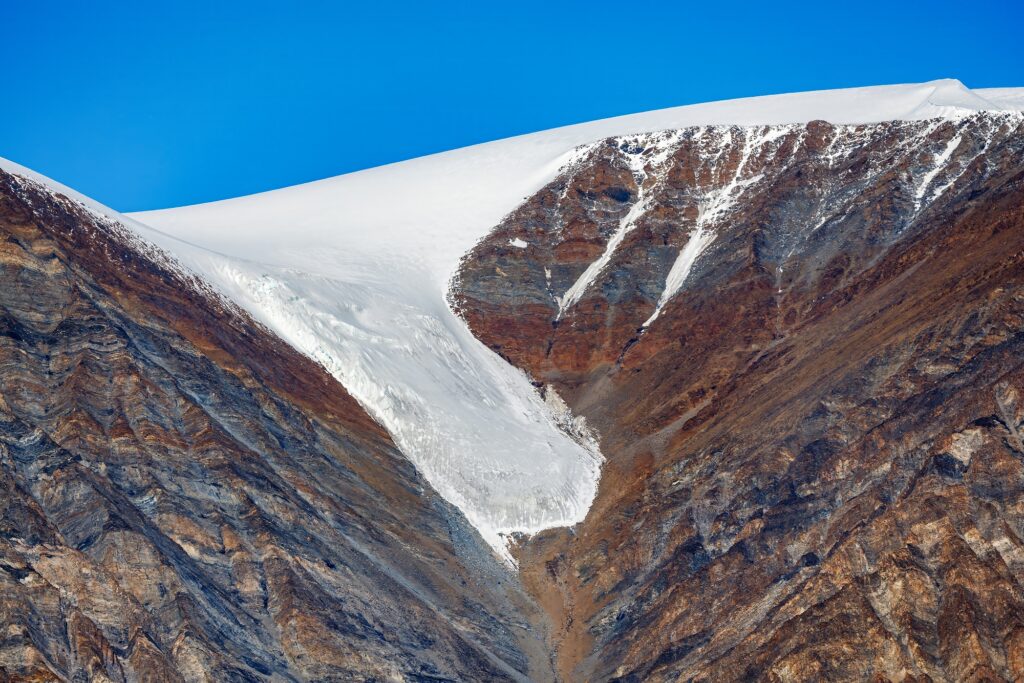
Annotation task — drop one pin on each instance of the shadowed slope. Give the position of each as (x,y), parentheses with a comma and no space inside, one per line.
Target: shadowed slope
(188,498)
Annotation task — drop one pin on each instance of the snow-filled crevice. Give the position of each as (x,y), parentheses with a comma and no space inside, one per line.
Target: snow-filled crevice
(719,201)
(645,155)
(941,159)
(699,239)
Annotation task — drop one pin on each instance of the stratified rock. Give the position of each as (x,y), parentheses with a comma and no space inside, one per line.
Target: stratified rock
(183,497)
(812,426)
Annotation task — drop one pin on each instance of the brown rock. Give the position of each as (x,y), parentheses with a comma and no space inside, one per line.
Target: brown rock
(814,470)
(186,498)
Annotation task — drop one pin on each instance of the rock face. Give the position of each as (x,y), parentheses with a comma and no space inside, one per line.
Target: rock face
(186,498)
(802,349)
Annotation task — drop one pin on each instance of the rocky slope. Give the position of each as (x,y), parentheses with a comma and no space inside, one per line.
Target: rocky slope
(186,498)
(354,270)
(798,343)
(801,346)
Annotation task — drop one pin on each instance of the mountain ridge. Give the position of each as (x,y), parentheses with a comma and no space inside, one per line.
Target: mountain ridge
(732,401)
(810,468)
(413,221)
(186,497)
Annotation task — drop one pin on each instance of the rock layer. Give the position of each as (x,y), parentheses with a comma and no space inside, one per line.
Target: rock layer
(186,498)
(801,347)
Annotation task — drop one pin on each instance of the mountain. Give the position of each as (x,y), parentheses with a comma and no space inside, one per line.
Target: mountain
(802,349)
(187,498)
(727,391)
(354,271)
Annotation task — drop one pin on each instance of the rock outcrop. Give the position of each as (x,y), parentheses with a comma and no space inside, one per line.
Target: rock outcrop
(802,349)
(800,345)
(187,498)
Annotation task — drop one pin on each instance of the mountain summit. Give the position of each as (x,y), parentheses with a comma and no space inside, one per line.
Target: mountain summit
(722,392)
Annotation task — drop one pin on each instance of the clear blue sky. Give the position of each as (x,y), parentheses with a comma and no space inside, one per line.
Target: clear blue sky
(146,107)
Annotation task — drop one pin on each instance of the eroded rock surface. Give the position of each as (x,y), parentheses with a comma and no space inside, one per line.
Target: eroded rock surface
(800,345)
(186,498)
(802,348)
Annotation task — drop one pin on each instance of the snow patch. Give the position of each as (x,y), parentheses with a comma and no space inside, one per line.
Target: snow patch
(699,239)
(718,203)
(636,151)
(939,164)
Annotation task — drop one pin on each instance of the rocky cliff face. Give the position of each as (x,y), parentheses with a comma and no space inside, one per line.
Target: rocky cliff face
(801,346)
(186,498)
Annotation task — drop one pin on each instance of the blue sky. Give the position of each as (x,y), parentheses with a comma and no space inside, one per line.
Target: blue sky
(146,107)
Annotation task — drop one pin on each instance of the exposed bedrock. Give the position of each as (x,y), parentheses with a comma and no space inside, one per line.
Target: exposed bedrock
(802,348)
(184,497)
